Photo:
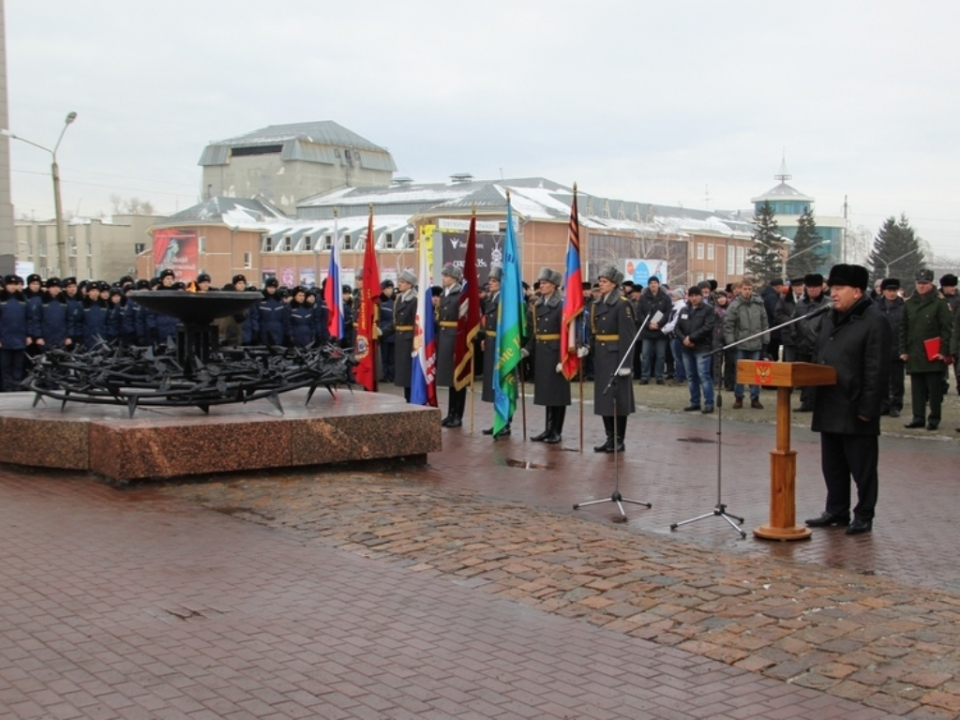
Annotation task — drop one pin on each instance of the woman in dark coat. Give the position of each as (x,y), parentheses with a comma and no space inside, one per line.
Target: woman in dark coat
(404,321)
(611,334)
(550,386)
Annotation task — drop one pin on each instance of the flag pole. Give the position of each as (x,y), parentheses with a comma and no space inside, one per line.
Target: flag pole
(580,372)
(523,402)
(472,398)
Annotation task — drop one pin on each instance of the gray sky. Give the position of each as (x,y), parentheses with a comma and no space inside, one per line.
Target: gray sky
(639,100)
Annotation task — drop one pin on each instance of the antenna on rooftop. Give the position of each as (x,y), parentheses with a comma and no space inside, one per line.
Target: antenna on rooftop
(706,196)
(783,176)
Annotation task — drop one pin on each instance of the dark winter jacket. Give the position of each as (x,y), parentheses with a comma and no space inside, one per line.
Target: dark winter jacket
(93,322)
(385,321)
(446,334)
(14,320)
(272,319)
(924,317)
(784,312)
(550,388)
(893,312)
(611,334)
(696,323)
(51,320)
(648,306)
(807,332)
(301,324)
(771,297)
(855,345)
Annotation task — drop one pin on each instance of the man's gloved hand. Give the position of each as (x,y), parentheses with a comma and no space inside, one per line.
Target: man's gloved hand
(524,353)
(582,352)
(559,368)
(624,372)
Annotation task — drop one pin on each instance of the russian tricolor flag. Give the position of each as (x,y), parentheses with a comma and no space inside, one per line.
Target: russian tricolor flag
(423,383)
(333,291)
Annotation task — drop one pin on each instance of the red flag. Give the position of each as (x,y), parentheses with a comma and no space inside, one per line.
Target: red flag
(573,296)
(468,322)
(366,350)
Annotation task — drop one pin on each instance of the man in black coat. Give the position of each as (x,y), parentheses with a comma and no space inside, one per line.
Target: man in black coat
(654,342)
(891,305)
(612,328)
(806,332)
(855,340)
(784,312)
(695,330)
(404,327)
(550,386)
(448,311)
(488,328)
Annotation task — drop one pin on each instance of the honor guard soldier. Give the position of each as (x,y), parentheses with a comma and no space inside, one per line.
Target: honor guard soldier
(404,319)
(612,328)
(491,307)
(448,312)
(550,386)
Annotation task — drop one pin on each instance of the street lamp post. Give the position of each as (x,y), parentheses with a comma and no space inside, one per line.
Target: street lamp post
(55,171)
(787,257)
(886,265)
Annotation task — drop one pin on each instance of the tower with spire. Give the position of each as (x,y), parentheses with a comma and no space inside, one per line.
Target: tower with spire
(789,204)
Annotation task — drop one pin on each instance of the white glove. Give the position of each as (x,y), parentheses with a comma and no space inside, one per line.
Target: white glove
(624,372)
(583,351)
(524,353)
(414,354)
(559,368)
(377,332)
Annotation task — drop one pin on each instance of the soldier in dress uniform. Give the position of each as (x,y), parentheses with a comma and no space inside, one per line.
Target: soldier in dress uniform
(550,386)
(491,307)
(448,311)
(404,318)
(612,327)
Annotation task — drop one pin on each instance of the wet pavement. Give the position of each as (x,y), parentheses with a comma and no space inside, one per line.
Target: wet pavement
(471,588)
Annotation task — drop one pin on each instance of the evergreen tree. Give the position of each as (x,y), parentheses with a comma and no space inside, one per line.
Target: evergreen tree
(896,252)
(808,250)
(765,259)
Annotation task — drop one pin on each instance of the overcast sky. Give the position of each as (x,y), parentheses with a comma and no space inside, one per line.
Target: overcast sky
(677,102)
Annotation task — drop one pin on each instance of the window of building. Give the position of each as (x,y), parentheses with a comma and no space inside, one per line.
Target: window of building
(411,238)
(72,246)
(287,244)
(139,248)
(699,251)
(202,243)
(699,277)
(347,245)
(267,244)
(388,241)
(731,261)
(307,243)
(740,254)
(328,242)
(43,248)
(89,249)
(247,264)
(710,251)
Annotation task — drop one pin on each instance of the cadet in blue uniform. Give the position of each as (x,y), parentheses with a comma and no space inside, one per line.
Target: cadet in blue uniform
(51,318)
(271,315)
(93,318)
(301,320)
(160,328)
(14,338)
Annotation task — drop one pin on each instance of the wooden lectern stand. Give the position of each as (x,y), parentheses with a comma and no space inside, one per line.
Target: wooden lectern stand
(783,461)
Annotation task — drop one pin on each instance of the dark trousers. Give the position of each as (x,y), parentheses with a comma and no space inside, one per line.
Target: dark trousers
(893,397)
(12,363)
(387,361)
(846,456)
(457,402)
(926,388)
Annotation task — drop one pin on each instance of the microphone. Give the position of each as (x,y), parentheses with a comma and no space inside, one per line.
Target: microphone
(819,311)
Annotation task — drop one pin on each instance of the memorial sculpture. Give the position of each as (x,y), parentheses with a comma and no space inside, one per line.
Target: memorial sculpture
(191,371)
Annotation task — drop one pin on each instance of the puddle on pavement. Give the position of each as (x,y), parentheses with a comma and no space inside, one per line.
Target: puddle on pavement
(697,440)
(525,464)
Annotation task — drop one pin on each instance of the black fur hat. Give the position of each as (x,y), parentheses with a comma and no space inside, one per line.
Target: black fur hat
(850,275)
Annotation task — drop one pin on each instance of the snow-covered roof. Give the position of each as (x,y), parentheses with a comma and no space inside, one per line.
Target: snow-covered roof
(782,192)
(238,213)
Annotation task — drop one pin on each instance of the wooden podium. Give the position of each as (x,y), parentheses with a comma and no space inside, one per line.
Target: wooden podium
(783,461)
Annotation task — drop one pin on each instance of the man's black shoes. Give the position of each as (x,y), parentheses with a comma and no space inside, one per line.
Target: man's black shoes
(691,408)
(605,447)
(828,520)
(553,439)
(915,423)
(487,431)
(858,527)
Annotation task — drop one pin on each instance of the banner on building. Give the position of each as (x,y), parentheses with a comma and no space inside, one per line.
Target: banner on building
(454,250)
(308,277)
(640,270)
(288,277)
(176,249)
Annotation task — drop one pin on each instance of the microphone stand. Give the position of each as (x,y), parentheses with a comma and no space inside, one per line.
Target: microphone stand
(720,509)
(616,497)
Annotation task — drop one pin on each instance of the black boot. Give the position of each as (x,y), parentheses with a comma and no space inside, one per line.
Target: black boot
(556,427)
(547,431)
(621,431)
(461,404)
(608,427)
(505,432)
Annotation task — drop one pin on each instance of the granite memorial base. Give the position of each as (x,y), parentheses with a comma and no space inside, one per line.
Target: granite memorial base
(160,443)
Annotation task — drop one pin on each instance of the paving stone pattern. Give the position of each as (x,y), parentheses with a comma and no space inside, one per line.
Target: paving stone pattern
(867,639)
(123,604)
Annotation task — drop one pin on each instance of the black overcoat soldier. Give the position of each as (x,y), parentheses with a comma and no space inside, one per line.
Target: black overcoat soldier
(448,312)
(612,328)
(550,386)
(491,307)
(404,319)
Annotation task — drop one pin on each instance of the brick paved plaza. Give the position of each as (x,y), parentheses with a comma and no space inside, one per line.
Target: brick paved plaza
(471,589)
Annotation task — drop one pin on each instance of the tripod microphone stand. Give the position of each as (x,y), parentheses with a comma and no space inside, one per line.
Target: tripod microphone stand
(615,377)
(720,509)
